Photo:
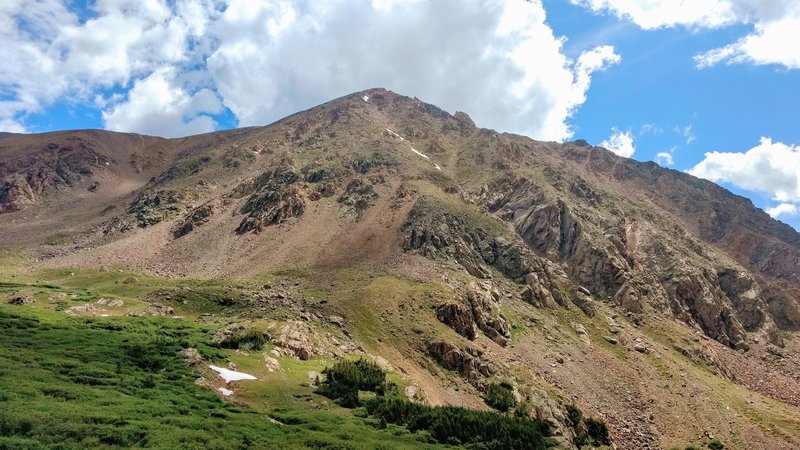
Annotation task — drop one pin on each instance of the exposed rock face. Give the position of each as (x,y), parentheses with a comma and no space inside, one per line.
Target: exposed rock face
(276,199)
(484,300)
(725,303)
(458,317)
(192,356)
(358,196)
(158,309)
(152,206)
(437,231)
(24,180)
(468,361)
(193,219)
(482,310)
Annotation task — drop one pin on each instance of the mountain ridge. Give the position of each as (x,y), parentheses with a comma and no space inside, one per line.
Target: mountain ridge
(502,250)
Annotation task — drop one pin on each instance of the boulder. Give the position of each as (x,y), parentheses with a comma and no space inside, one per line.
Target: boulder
(192,356)
(271,363)
(20,300)
(294,339)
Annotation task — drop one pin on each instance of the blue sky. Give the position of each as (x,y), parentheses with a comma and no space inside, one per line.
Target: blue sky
(664,81)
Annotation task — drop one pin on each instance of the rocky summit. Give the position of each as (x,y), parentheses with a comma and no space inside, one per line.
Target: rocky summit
(556,283)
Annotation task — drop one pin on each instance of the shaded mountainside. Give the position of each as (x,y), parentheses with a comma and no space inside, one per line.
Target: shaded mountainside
(645,295)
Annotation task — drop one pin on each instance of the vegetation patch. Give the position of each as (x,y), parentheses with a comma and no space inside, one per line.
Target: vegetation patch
(444,425)
(589,431)
(500,396)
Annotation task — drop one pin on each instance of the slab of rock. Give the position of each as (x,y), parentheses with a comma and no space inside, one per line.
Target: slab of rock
(111,302)
(87,309)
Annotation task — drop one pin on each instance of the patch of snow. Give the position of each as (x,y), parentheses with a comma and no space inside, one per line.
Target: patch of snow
(396,135)
(231,375)
(366,98)
(419,153)
(413,149)
(225,392)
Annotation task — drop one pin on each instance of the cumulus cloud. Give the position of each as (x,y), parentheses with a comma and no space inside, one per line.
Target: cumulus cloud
(620,142)
(665,159)
(49,55)
(158,105)
(784,209)
(771,168)
(496,59)
(775,38)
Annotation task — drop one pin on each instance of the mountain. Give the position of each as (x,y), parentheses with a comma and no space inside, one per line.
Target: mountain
(457,256)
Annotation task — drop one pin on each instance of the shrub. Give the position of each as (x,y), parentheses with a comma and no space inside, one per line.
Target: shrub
(345,378)
(598,431)
(451,425)
(251,339)
(574,415)
(715,444)
(588,431)
(500,396)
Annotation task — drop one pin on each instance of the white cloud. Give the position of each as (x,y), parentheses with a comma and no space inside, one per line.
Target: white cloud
(620,142)
(775,38)
(784,209)
(771,168)
(497,59)
(158,105)
(48,55)
(775,42)
(665,158)
(11,126)
(687,133)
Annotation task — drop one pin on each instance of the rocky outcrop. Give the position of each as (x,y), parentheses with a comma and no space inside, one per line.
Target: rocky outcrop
(193,219)
(468,362)
(458,317)
(358,197)
(482,311)
(436,230)
(484,300)
(25,179)
(152,206)
(295,339)
(20,300)
(276,199)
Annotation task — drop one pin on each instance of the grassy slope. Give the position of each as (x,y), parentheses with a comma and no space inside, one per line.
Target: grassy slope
(120,381)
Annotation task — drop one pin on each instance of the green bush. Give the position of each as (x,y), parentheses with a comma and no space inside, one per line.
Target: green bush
(461,426)
(345,378)
(598,431)
(251,339)
(715,444)
(500,396)
(588,431)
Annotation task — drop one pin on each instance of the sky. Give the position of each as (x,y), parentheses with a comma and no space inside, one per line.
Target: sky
(709,87)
